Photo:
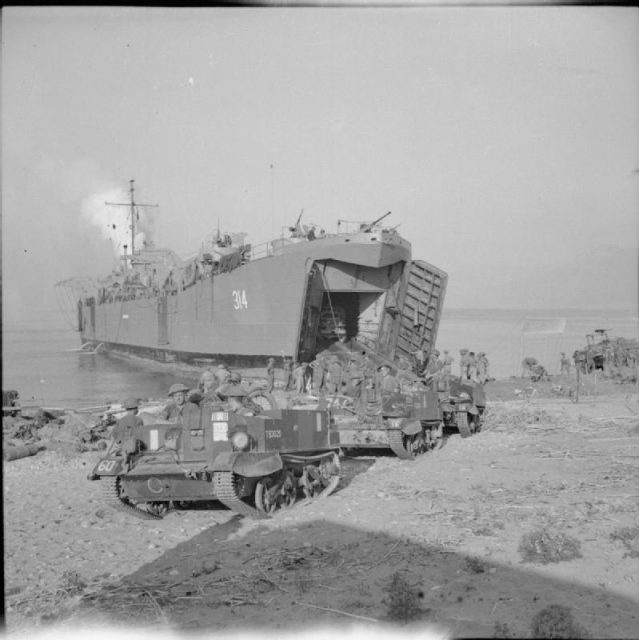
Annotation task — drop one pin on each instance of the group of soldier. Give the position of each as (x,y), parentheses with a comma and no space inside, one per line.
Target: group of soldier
(221,385)
(326,373)
(439,366)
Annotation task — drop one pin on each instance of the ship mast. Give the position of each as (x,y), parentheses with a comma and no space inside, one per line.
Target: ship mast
(134,212)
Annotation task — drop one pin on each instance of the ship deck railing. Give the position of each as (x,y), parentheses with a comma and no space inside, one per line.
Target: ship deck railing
(262,250)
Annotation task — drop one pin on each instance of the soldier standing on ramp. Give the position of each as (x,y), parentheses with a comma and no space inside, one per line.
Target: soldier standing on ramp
(334,379)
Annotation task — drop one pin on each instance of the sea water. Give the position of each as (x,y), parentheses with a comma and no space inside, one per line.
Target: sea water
(508,336)
(42,362)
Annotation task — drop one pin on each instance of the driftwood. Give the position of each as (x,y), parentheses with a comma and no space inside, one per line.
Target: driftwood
(21,451)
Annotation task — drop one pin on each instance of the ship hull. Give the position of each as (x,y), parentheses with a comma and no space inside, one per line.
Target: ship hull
(284,304)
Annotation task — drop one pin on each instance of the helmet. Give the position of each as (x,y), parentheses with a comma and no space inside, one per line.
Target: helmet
(131,403)
(176,388)
(233,390)
(235,377)
(221,366)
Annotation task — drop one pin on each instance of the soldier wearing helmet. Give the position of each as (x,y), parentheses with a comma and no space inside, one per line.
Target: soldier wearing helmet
(207,381)
(387,382)
(234,394)
(127,426)
(176,410)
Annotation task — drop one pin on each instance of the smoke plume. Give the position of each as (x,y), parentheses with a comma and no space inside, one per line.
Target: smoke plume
(110,212)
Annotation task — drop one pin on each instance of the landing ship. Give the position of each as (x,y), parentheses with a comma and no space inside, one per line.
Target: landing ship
(293,296)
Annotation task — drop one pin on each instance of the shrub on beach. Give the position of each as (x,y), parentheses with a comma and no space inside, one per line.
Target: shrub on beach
(516,418)
(557,621)
(403,600)
(545,547)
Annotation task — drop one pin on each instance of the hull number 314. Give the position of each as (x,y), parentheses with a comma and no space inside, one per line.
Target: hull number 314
(239,299)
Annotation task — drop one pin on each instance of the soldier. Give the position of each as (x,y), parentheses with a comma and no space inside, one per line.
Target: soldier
(299,373)
(270,375)
(355,374)
(564,364)
(340,332)
(207,381)
(222,374)
(176,410)
(434,365)
(127,426)
(463,364)
(319,373)
(334,376)
(472,366)
(287,366)
(387,382)
(447,368)
(420,360)
(482,367)
(527,365)
(235,393)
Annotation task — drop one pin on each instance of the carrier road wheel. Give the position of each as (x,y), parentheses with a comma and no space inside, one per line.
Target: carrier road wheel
(415,444)
(272,494)
(158,508)
(288,492)
(462,424)
(320,480)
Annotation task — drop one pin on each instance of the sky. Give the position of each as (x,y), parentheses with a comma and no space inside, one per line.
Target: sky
(504,140)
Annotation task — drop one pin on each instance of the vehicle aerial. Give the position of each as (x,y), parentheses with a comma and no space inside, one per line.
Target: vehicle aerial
(242,304)
(253,464)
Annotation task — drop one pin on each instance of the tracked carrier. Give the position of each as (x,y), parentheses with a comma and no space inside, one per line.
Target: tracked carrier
(252,464)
